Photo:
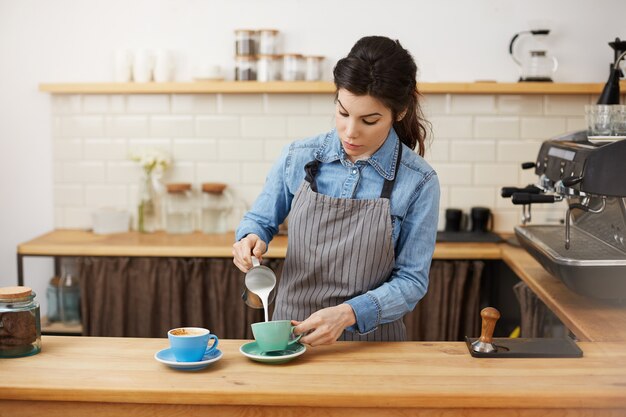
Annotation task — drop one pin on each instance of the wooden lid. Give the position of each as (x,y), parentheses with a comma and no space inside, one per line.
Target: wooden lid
(245,57)
(245,31)
(320,57)
(274,31)
(213,187)
(12,293)
(178,187)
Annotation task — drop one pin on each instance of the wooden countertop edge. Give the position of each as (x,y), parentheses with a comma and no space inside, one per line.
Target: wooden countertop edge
(324,400)
(315,87)
(236,392)
(70,242)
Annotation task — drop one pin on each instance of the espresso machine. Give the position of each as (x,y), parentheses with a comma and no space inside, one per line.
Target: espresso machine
(588,252)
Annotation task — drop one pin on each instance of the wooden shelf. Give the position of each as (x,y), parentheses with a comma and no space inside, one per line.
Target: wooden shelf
(318,87)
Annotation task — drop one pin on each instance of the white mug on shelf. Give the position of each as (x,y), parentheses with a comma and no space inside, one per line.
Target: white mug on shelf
(163,66)
(143,65)
(122,65)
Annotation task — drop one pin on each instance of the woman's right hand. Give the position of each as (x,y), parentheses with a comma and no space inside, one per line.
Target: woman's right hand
(245,248)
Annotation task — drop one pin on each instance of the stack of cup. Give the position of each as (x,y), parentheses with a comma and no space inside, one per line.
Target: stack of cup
(605,120)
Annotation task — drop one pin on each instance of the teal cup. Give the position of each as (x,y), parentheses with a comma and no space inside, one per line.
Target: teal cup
(274,335)
(191,344)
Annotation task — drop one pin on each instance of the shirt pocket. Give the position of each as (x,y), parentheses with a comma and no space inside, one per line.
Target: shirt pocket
(396,223)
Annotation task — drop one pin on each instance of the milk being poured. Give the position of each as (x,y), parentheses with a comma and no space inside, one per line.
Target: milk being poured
(261,286)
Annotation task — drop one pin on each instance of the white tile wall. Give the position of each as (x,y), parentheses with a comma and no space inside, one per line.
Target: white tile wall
(477,144)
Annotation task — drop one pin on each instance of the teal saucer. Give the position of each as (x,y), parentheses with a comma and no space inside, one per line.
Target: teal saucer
(254,352)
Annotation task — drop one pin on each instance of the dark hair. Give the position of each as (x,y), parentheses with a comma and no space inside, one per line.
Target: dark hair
(380,67)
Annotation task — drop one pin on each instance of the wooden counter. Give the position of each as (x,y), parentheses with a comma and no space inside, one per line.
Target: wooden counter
(83,243)
(588,319)
(308,87)
(119,376)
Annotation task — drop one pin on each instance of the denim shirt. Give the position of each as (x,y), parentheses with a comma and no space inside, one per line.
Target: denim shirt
(414,213)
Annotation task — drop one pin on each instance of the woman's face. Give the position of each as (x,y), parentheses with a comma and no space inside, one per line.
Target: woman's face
(363,124)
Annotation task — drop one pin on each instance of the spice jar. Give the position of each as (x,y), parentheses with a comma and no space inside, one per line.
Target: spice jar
(216,205)
(313,66)
(245,68)
(179,208)
(268,40)
(268,68)
(291,67)
(20,323)
(245,42)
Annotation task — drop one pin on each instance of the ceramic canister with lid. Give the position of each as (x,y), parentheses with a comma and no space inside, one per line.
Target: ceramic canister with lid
(20,322)
(179,208)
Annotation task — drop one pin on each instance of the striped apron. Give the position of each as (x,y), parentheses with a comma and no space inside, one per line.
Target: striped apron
(338,248)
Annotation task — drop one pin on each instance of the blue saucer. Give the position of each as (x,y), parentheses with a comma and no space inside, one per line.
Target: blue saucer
(166,356)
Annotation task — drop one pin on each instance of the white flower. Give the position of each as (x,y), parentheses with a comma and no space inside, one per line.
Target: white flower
(151,159)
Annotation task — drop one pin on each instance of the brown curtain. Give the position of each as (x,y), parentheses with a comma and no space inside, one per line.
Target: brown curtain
(533,311)
(145,297)
(450,309)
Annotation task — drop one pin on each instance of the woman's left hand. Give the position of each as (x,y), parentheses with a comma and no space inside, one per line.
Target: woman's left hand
(325,326)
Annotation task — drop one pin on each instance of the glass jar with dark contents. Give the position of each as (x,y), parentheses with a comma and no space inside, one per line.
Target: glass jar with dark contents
(20,323)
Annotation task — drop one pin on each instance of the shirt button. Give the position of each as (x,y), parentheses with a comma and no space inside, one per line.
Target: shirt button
(354,171)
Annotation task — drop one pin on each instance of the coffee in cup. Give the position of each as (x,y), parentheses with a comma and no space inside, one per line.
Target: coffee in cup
(190,344)
(274,335)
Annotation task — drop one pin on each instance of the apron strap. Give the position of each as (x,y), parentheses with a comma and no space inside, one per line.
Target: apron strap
(312,168)
(388,185)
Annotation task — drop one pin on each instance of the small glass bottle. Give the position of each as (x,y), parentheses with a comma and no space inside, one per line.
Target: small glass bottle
(179,208)
(291,67)
(313,67)
(268,68)
(20,322)
(216,205)
(246,42)
(245,68)
(268,40)
(69,292)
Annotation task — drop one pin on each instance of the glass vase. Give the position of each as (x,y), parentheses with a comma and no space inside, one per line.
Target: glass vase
(148,209)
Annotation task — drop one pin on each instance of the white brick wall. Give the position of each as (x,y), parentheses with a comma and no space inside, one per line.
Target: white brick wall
(477,144)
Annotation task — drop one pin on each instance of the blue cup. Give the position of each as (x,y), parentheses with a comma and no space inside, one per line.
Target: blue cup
(190,344)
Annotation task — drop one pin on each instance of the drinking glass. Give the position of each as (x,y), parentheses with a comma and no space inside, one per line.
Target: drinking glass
(598,119)
(618,120)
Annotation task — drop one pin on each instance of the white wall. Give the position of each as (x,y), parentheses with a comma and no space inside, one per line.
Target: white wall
(70,41)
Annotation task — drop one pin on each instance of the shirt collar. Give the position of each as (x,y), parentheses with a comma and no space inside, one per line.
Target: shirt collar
(383,160)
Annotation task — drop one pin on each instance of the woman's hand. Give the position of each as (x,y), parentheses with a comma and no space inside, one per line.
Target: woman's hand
(325,326)
(245,248)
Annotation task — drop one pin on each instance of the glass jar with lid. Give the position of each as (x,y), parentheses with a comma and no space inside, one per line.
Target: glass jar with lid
(313,71)
(246,42)
(179,208)
(268,41)
(268,68)
(20,322)
(291,67)
(245,68)
(215,206)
